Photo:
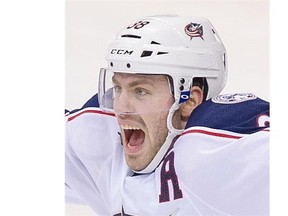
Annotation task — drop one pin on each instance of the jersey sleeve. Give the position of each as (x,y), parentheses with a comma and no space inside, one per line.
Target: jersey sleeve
(222,173)
(90,138)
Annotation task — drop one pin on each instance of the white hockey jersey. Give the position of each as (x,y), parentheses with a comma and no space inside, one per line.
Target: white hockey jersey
(218,166)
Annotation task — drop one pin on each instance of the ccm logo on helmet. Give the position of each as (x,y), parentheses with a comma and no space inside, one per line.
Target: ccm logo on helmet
(121,52)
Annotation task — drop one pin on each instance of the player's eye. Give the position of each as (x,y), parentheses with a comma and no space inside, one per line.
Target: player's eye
(140,92)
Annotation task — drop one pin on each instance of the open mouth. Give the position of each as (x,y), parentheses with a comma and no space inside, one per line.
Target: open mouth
(134,138)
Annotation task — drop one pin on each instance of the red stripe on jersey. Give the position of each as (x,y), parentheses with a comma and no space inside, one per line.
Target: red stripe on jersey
(90,111)
(211,133)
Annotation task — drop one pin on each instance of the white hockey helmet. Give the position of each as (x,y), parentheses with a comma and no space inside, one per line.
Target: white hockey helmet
(181,47)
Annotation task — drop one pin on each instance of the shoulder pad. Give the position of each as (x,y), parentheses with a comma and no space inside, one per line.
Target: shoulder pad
(92,102)
(242,113)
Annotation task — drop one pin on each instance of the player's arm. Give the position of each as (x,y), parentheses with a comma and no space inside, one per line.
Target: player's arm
(86,151)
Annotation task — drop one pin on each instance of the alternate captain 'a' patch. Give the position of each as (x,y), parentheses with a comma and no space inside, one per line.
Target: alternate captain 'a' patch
(233,98)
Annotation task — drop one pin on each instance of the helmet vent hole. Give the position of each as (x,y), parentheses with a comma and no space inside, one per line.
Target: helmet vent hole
(224,60)
(131,36)
(128,65)
(154,42)
(162,53)
(146,53)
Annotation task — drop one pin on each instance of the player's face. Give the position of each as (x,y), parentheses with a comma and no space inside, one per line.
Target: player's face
(141,104)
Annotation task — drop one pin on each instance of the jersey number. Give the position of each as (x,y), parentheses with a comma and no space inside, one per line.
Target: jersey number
(138,25)
(169,175)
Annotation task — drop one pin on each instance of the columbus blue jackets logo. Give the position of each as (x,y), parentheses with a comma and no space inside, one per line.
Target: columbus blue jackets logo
(194,30)
(233,98)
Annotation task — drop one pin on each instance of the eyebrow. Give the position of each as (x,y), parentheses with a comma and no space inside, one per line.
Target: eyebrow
(141,79)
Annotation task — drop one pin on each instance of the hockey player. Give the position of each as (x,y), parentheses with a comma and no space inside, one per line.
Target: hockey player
(158,139)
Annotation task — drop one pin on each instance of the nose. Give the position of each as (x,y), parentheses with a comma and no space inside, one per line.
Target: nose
(122,104)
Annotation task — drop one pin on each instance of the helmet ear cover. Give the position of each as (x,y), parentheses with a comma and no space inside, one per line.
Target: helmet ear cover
(201,82)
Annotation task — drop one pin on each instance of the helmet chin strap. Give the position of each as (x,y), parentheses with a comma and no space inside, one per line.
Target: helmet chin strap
(172,133)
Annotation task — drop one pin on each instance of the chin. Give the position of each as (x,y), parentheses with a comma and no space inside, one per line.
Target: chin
(135,164)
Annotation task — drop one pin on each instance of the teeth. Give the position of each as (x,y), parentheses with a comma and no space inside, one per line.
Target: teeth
(129,127)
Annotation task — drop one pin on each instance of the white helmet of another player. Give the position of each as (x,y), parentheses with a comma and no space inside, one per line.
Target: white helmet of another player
(181,47)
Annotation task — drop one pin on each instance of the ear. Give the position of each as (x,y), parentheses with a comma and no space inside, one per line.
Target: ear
(196,98)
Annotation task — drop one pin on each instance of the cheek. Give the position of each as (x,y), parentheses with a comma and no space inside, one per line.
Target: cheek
(157,129)
(165,104)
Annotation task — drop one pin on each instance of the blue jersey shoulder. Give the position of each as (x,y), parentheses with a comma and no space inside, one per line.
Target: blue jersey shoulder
(92,102)
(241,113)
